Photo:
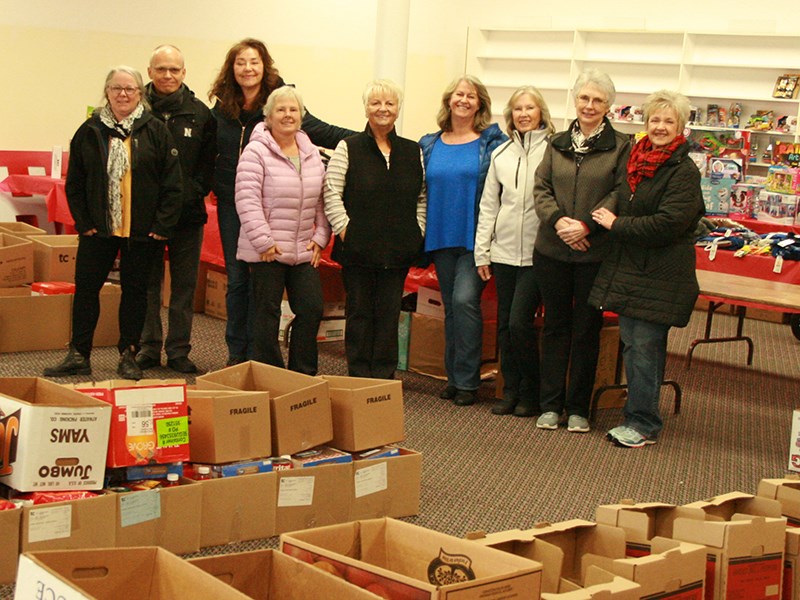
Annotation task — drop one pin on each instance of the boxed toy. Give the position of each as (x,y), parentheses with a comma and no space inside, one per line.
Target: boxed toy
(16,260)
(783,179)
(744,537)
(726,167)
(400,560)
(272,575)
(386,486)
(113,573)
(717,195)
(54,257)
(366,412)
(227,426)
(51,438)
(236,509)
(300,406)
(744,197)
(149,420)
(774,207)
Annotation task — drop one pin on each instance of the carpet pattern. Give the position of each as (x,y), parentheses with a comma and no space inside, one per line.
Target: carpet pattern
(484,472)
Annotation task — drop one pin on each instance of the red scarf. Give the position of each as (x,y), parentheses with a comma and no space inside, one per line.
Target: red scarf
(646,159)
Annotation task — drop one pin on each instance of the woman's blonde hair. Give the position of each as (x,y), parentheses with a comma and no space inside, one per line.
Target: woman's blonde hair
(667,99)
(382,86)
(483,118)
(546,121)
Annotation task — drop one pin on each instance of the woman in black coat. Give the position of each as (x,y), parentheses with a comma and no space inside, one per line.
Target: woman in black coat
(648,278)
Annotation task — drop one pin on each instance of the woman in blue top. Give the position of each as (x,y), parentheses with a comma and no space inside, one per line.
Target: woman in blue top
(457,160)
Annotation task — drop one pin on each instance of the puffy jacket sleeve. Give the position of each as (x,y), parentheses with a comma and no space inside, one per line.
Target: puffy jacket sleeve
(677,212)
(490,206)
(322,228)
(250,204)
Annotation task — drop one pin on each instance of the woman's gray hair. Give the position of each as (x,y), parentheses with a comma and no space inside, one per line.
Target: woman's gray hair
(382,86)
(483,118)
(285,91)
(137,77)
(538,99)
(597,79)
(667,99)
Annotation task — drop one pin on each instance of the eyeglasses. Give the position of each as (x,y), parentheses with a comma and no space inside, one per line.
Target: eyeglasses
(585,100)
(170,70)
(118,89)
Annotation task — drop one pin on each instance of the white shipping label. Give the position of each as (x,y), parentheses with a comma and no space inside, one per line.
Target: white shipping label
(53,523)
(296,491)
(370,480)
(139,507)
(140,420)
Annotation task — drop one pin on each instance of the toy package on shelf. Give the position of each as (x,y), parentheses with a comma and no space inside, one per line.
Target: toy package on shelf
(775,207)
(762,120)
(712,115)
(717,195)
(782,179)
(723,144)
(701,160)
(785,153)
(743,200)
(727,167)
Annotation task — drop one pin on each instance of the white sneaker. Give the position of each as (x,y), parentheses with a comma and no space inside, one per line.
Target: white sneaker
(548,420)
(578,424)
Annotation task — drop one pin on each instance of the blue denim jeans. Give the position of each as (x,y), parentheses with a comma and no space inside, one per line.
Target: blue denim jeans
(238,331)
(461,289)
(645,356)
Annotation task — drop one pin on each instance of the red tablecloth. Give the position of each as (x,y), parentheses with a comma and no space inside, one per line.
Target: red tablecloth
(51,189)
(758,266)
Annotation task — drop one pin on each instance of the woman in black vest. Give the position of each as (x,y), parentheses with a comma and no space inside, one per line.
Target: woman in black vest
(375,202)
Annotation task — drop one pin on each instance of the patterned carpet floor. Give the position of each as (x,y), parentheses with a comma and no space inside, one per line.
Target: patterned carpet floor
(484,472)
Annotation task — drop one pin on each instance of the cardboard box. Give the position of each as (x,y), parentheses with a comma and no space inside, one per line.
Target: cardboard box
(107,331)
(744,537)
(271,575)
(331,328)
(367,413)
(236,509)
(149,420)
(166,517)
(791,564)
(86,523)
(113,573)
(386,487)
(52,438)
(199,302)
(22,327)
(216,289)
(9,549)
(300,407)
(226,426)
(426,348)
(641,523)
(600,584)
(414,562)
(794,441)
(787,492)
(21,229)
(54,257)
(430,303)
(16,260)
(313,497)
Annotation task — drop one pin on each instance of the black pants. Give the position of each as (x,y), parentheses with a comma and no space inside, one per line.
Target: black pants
(373,309)
(518,299)
(571,334)
(93,263)
(304,291)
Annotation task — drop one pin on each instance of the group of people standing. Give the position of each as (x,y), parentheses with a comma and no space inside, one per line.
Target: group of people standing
(574,221)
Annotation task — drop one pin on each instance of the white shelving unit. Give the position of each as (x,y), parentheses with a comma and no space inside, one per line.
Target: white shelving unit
(709,68)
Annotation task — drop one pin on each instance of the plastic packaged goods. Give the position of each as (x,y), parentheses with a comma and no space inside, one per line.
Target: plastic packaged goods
(202,473)
(172,480)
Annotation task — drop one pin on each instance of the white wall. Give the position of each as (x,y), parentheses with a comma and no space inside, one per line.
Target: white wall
(55,54)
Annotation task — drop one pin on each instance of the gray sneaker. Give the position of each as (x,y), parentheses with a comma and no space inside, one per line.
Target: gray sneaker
(578,424)
(548,420)
(628,437)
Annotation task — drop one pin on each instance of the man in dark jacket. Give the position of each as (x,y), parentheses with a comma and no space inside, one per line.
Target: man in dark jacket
(194,131)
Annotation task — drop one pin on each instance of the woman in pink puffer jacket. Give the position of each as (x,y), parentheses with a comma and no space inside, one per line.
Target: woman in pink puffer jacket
(283,230)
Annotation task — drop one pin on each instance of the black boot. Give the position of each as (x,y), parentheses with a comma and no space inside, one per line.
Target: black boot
(527,408)
(127,368)
(75,363)
(504,407)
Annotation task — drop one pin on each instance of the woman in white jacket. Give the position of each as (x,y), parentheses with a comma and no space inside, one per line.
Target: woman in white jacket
(504,240)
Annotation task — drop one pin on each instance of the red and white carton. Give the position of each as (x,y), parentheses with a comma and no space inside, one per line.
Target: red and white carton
(51,438)
(149,420)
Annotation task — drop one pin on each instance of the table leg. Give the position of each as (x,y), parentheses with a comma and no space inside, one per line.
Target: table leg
(741,313)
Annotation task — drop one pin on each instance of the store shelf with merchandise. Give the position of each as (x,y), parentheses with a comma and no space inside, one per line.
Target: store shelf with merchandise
(718,69)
